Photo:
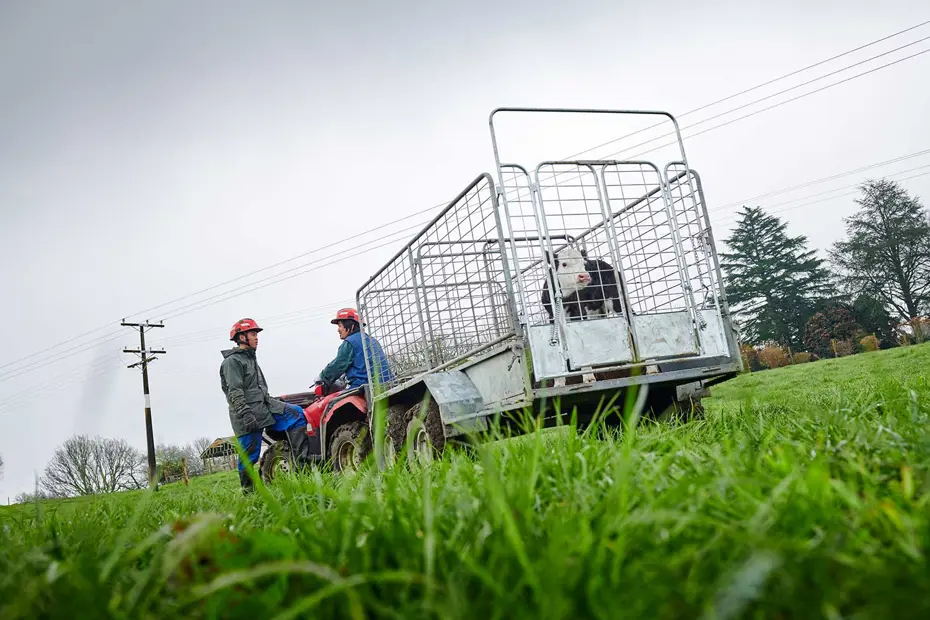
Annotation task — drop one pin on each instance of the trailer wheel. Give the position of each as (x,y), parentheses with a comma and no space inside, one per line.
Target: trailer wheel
(426,432)
(350,446)
(276,459)
(665,407)
(395,432)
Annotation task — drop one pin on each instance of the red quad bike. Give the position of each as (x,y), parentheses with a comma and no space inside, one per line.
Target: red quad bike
(337,424)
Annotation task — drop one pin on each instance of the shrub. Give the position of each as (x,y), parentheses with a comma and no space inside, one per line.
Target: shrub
(873,316)
(836,323)
(870,343)
(920,327)
(801,358)
(773,356)
(751,358)
(842,348)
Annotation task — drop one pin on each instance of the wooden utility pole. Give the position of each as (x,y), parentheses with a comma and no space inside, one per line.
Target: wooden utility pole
(143,353)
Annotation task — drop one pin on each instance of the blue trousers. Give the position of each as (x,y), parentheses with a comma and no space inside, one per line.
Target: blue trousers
(292,417)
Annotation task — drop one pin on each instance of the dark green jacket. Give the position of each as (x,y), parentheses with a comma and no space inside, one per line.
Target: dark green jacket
(243,383)
(341,364)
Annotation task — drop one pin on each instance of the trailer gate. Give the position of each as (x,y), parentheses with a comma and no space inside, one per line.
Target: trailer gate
(650,224)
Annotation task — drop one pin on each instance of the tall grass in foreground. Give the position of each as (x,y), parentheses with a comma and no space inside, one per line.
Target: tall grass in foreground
(785,502)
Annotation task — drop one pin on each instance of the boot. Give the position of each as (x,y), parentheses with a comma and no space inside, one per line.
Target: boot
(246,482)
(305,450)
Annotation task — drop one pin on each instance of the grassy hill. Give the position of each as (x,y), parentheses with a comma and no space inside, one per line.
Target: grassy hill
(803,494)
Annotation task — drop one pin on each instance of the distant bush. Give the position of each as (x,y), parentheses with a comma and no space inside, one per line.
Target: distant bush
(751,358)
(914,331)
(832,325)
(773,356)
(873,316)
(842,348)
(801,358)
(870,343)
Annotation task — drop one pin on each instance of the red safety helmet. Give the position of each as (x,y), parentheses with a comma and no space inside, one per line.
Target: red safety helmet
(241,326)
(347,314)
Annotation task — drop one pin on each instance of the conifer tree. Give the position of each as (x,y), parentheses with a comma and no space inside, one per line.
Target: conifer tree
(773,281)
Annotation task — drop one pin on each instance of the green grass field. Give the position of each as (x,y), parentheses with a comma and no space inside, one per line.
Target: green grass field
(804,494)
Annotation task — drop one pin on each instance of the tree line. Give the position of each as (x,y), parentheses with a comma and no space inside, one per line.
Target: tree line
(873,290)
(85,465)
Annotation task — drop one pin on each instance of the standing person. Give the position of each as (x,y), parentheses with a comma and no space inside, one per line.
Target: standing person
(251,408)
(350,358)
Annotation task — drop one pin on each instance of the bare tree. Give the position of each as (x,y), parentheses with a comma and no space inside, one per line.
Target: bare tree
(169,458)
(119,466)
(192,454)
(200,444)
(85,465)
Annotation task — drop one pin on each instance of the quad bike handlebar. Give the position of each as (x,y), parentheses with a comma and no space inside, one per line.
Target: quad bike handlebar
(322,388)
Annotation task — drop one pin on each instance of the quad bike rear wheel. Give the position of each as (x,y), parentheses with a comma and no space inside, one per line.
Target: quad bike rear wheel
(276,459)
(350,446)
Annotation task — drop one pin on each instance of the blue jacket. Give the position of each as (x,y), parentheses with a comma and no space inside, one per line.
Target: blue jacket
(350,359)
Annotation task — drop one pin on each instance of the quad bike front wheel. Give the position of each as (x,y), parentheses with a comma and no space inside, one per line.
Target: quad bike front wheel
(350,446)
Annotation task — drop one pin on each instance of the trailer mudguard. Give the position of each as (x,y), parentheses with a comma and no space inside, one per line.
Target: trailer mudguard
(457,397)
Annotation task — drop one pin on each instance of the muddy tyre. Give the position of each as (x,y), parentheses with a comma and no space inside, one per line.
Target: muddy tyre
(350,446)
(395,433)
(427,438)
(276,459)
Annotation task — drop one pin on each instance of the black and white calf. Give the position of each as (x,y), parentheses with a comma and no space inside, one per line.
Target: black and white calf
(589,287)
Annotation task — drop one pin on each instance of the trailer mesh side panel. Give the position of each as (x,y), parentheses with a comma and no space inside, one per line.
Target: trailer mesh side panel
(445,294)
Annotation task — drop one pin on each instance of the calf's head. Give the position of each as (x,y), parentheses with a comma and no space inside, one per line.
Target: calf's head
(570,270)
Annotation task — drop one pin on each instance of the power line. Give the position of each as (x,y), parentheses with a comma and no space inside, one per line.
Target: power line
(106,338)
(252,286)
(295,321)
(72,339)
(847,194)
(824,179)
(271,321)
(836,189)
(113,335)
(71,352)
(522,193)
(101,366)
(354,237)
(766,109)
(59,381)
(768,83)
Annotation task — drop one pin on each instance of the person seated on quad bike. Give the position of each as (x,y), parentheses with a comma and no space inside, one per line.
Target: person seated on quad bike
(252,409)
(350,358)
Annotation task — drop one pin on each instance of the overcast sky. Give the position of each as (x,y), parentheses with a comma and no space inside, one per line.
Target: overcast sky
(150,150)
